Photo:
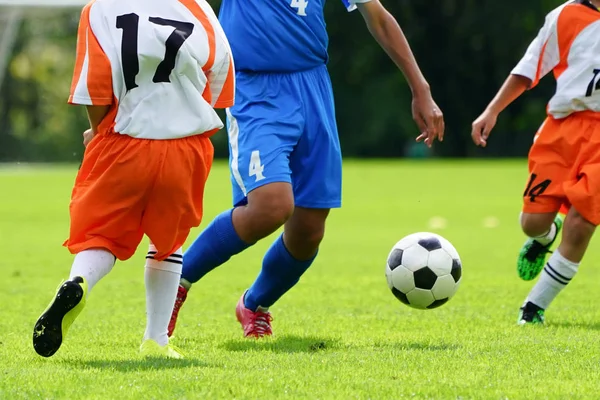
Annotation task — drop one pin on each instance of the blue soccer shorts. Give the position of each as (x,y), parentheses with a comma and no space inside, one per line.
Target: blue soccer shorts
(282,129)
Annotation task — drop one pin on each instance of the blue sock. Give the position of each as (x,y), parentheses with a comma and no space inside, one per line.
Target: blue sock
(280,272)
(215,245)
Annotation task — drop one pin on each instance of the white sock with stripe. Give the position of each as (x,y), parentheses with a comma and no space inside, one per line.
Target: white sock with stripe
(92,265)
(162,282)
(547,237)
(556,275)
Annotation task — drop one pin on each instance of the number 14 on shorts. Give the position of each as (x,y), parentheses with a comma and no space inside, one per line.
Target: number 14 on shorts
(536,188)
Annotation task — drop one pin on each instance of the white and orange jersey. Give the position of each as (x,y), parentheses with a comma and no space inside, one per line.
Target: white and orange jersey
(163,65)
(569,45)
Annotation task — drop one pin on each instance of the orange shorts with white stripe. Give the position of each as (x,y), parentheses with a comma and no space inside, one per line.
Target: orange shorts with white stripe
(129,187)
(564,167)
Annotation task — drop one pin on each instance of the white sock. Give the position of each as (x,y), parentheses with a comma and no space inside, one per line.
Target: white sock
(556,275)
(162,282)
(547,237)
(92,265)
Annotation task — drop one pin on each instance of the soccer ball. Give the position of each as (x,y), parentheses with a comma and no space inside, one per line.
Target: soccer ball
(423,270)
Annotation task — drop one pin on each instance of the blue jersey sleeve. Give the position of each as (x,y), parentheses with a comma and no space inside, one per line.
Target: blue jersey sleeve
(351,4)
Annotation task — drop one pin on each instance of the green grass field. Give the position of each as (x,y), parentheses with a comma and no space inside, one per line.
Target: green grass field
(340,333)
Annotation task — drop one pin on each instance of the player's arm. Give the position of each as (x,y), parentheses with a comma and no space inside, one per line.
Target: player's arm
(512,88)
(92,79)
(95,115)
(541,57)
(386,30)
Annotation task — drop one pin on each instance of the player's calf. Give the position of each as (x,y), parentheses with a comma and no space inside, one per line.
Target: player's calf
(556,275)
(578,232)
(231,232)
(286,261)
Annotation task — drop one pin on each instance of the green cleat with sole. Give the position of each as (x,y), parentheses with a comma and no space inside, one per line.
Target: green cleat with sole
(530,314)
(532,257)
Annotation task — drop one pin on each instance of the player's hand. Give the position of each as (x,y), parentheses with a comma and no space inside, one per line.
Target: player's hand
(88,135)
(482,127)
(429,119)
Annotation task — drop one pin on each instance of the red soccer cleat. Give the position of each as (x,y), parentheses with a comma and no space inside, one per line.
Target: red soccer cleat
(181,296)
(256,324)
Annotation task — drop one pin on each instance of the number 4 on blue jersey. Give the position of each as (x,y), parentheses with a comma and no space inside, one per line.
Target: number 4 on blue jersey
(300,6)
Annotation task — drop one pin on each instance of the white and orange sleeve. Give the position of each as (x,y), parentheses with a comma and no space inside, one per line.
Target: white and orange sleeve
(92,78)
(222,83)
(543,54)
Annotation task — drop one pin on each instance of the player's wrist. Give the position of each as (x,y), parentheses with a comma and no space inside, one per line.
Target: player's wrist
(420,89)
(493,110)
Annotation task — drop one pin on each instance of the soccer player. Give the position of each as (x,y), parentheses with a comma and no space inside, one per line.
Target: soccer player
(286,164)
(564,161)
(150,73)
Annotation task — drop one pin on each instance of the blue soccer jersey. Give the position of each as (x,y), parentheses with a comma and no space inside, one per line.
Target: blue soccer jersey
(277,35)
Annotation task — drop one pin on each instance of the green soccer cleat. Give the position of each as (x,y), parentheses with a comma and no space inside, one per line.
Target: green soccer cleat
(51,328)
(532,257)
(531,314)
(150,348)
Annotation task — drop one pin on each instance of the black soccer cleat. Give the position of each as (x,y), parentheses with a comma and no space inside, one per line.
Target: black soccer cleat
(531,314)
(51,328)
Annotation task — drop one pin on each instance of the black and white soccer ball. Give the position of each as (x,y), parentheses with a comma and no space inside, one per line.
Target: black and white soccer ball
(423,270)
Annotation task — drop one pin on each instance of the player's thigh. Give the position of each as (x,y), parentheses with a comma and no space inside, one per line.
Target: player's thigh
(262,135)
(583,187)
(549,168)
(175,204)
(316,162)
(109,194)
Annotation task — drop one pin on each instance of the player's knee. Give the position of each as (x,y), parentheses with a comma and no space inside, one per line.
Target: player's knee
(304,240)
(536,224)
(272,207)
(277,210)
(310,235)
(306,230)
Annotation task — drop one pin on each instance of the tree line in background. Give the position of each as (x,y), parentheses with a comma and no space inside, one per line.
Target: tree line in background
(465,48)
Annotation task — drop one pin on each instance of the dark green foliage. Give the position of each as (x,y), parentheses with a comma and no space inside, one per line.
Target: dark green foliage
(466,48)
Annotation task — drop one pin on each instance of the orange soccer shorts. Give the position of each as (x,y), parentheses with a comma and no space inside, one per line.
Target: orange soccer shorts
(129,187)
(564,167)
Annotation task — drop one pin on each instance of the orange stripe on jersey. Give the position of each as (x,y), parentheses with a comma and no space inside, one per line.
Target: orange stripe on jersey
(227,96)
(573,19)
(207,25)
(84,23)
(539,66)
(99,77)
(92,78)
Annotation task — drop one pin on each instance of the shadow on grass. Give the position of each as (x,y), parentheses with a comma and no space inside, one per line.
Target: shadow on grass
(417,346)
(138,364)
(590,325)
(284,344)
